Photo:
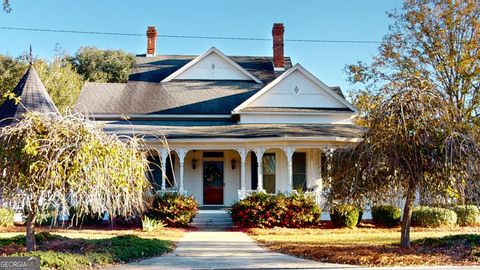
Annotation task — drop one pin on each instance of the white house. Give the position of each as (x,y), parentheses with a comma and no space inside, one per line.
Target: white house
(233,124)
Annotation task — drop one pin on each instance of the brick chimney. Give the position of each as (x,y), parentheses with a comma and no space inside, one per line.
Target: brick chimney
(278,59)
(151,41)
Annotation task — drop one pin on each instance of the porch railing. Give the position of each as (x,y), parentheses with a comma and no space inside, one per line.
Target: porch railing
(172,190)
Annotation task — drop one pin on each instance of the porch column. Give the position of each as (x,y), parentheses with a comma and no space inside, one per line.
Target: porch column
(320,171)
(259,151)
(243,159)
(164,155)
(181,156)
(289,153)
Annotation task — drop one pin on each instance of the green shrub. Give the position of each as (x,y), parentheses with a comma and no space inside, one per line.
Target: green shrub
(267,210)
(6,217)
(386,215)
(151,225)
(173,209)
(468,215)
(345,215)
(40,238)
(433,217)
(126,248)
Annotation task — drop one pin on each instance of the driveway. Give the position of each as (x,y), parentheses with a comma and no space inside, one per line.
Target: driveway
(224,250)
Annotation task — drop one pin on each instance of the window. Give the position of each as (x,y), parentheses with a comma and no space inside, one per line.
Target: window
(269,172)
(155,174)
(299,171)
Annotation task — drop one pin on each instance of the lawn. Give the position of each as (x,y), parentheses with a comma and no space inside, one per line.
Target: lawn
(91,248)
(376,246)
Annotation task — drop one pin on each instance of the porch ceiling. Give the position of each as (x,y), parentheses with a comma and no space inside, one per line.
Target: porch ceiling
(229,130)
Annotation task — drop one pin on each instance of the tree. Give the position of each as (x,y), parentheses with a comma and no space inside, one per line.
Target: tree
(50,161)
(416,139)
(437,41)
(58,76)
(11,70)
(96,65)
(365,101)
(61,80)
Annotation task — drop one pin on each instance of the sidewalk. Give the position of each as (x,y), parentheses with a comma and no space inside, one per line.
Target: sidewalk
(225,250)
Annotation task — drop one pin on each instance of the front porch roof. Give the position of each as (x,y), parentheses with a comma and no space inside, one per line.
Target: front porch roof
(230,130)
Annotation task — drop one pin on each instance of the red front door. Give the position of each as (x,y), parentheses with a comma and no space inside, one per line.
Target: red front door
(213,182)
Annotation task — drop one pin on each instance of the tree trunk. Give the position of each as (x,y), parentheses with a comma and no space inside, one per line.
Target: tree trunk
(31,244)
(407,217)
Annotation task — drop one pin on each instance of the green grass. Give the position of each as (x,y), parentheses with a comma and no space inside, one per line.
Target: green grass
(88,250)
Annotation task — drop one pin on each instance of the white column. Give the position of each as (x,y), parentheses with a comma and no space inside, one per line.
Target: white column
(320,172)
(243,161)
(259,151)
(163,160)
(181,156)
(289,153)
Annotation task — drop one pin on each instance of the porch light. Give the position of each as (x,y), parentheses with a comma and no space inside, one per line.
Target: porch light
(194,163)
(234,162)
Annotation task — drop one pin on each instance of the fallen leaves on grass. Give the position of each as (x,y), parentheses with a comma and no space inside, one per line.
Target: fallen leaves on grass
(373,247)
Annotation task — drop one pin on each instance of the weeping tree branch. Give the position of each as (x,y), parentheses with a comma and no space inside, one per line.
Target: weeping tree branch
(64,162)
(417,141)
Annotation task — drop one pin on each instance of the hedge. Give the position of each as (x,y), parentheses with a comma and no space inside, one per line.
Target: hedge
(386,215)
(264,210)
(433,217)
(6,217)
(468,215)
(173,209)
(345,215)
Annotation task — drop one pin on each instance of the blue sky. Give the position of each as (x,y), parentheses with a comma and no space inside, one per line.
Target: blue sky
(315,19)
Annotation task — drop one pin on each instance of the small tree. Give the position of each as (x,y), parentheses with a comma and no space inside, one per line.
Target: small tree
(97,65)
(50,161)
(416,140)
(61,80)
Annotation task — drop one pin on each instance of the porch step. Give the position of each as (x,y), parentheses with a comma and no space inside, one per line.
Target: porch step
(212,220)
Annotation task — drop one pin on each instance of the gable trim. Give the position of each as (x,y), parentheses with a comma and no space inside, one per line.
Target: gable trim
(205,54)
(305,72)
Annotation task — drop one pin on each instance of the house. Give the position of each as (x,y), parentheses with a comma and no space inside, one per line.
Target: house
(233,124)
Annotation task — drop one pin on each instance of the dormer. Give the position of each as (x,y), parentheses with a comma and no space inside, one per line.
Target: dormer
(212,65)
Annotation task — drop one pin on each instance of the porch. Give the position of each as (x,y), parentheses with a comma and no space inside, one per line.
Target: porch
(217,175)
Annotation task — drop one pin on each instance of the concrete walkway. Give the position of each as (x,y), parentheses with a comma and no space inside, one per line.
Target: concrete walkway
(225,250)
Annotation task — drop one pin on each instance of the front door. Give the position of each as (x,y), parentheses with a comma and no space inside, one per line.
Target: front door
(213,182)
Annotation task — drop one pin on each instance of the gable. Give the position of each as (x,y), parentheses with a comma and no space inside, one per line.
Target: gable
(297,88)
(212,65)
(299,92)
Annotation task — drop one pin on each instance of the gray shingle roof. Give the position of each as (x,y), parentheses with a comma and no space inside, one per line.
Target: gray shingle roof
(228,129)
(33,97)
(155,69)
(145,94)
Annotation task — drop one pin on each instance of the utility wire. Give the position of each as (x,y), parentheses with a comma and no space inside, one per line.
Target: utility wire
(186,36)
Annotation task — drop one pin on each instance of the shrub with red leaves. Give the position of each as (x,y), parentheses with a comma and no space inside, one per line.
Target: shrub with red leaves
(173,209)
(264,210)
